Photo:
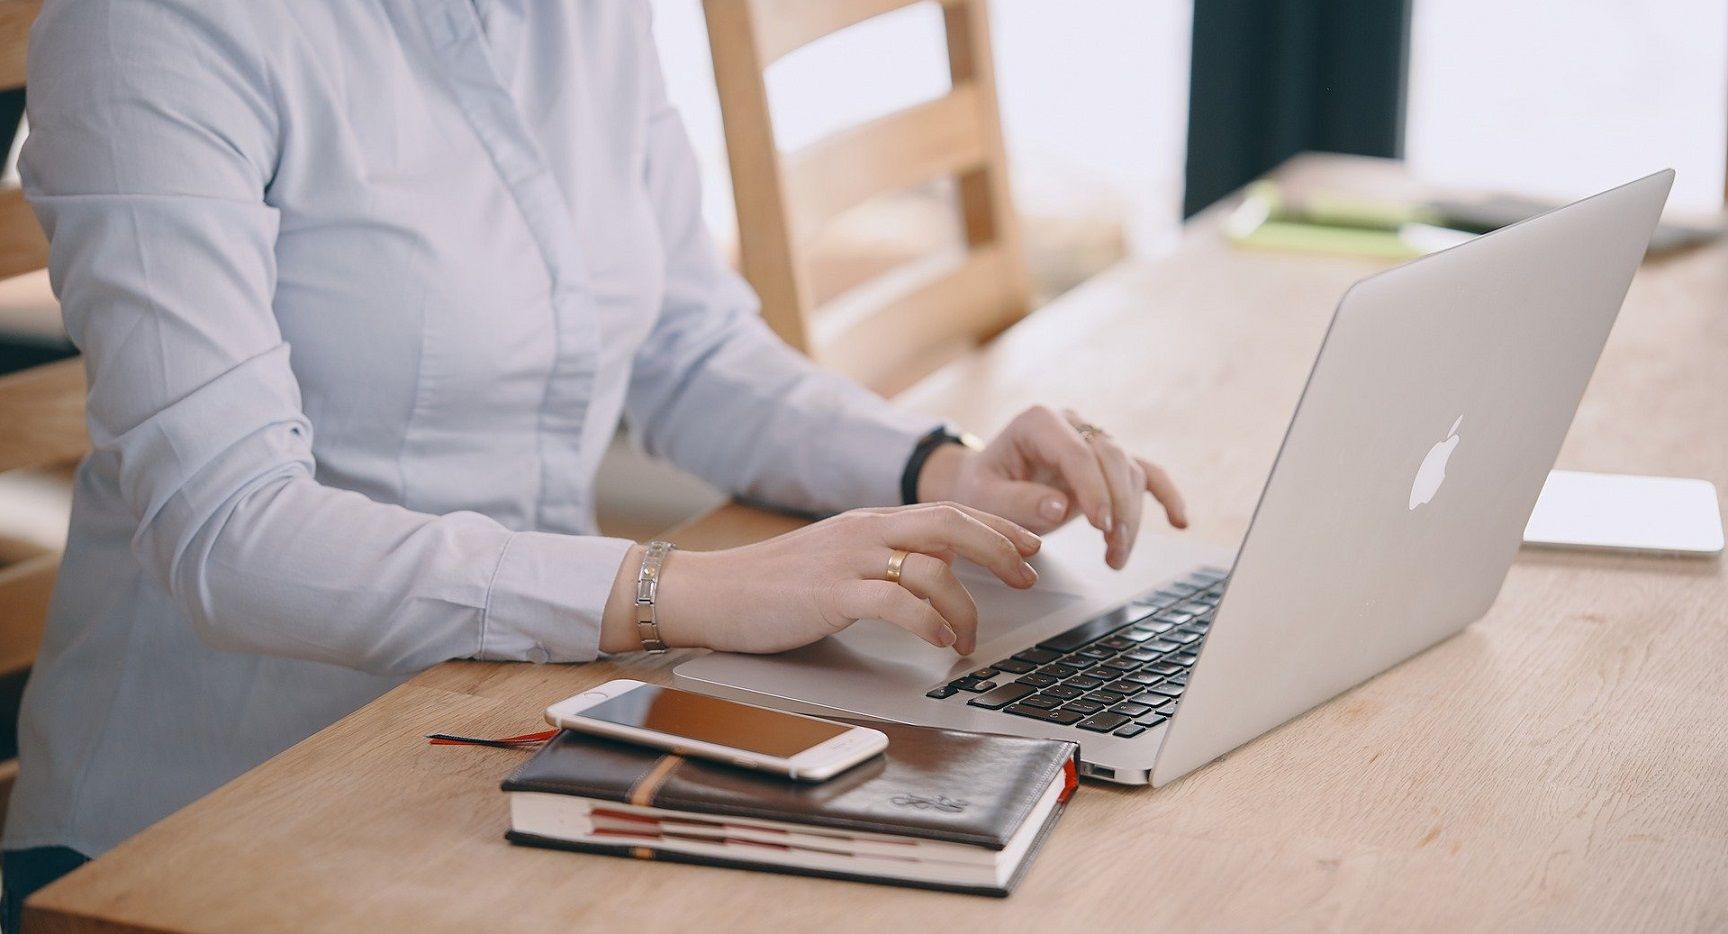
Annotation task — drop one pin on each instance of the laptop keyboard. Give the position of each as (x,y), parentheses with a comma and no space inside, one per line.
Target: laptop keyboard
(1122,672)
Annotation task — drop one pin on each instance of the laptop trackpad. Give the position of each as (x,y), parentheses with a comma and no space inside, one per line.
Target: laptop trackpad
(1002,609)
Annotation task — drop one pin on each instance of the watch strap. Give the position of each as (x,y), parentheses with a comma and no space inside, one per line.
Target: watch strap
(647,591)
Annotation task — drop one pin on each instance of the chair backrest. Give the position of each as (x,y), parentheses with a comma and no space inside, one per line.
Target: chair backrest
(41,408)
(890,331)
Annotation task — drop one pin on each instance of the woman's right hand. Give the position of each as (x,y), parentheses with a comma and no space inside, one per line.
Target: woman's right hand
(797,588)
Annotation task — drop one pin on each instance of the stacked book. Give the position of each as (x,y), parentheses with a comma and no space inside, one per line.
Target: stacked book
(940,809)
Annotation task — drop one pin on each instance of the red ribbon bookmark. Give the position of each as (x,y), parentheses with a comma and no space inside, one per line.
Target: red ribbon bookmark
(508,742)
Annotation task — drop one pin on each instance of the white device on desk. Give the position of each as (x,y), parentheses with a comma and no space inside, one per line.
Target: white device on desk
(1620,512)
(714,728)
(1392,513)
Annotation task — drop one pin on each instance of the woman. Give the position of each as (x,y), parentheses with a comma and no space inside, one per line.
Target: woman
(364,289)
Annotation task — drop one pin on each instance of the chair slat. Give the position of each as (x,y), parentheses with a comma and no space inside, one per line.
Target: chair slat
(785,25)
(939,307)
(24,591)
(42,416)
(23,247)
(15,19)
(903,149)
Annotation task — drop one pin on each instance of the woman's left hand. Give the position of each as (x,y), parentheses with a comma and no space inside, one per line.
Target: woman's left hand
(1047,466)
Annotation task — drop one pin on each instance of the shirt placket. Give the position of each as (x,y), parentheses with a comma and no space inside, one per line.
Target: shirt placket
(457,39)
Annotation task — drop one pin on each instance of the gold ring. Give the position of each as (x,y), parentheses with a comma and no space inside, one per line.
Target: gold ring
(1088,431)
(895,560)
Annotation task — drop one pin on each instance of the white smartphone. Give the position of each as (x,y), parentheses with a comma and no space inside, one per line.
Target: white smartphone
(805,748)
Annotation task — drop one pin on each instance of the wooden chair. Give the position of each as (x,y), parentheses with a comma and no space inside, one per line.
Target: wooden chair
(41,416)
(898,327)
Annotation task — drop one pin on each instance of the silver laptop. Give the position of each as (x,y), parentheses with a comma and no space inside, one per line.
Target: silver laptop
(1395,506)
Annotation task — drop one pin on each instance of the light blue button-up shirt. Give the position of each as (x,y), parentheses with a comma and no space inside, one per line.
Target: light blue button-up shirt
(364,288)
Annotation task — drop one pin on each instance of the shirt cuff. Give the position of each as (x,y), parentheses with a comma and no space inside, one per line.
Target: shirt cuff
(547,597)
(882,444)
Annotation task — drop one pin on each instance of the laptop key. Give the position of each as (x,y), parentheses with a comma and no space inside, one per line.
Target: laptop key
(1186,659)
(1106,697)
(1163,645)
(1042,700)
(1063,691)
(1121,664)
(946,690)
(983,674)
(1131,730)
(1098,652)
(1141,655)
(1181,636)
(1015,666)
(1038,656)
(1117,643)
(1000,697)
(1062,717)
(1087,632)
(1084,683)
(1083,706)
(1151,720)
(1081,662)
(1103,722)
(1059,671)
(1131,709)
(1037,681)
(1136,635)
(1167,689)
(976,687)
(1144,678)
(1125,687)
(1163,668)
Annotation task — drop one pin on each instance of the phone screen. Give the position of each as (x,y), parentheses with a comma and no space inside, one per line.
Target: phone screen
(712,720)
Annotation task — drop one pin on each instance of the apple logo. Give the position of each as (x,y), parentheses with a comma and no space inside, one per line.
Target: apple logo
(1432,473)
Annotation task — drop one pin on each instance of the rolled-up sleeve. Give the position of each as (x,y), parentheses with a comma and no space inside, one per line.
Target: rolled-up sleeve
(717,392)
(153,139)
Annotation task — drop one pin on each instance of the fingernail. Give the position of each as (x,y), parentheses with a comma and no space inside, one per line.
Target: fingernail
(1108,525)
(1027,573)
(946,636)
(1052,509)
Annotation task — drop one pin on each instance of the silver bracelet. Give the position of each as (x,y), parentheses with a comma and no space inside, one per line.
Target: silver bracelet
(647,588)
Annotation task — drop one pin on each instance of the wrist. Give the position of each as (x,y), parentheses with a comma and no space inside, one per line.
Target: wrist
(678,602)
(941,472)
(685,600)
(618,621)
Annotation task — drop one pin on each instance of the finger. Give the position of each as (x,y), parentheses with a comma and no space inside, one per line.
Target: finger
(1054,443)
(1024,540)
(933,580)
(1035,506)
(1163,489)
(946,527)
(1127,499)
(895,604)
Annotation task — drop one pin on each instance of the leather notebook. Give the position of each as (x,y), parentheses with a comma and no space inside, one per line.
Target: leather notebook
(940,809)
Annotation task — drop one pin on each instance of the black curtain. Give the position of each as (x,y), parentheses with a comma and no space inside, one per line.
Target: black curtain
(1271,78)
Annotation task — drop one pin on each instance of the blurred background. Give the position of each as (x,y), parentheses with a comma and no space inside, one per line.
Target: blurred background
(1123,117)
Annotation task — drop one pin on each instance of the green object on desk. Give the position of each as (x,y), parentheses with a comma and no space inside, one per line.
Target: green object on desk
(1337,224)
(1328,222)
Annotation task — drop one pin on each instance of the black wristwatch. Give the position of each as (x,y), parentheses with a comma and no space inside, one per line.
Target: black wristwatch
(926,446)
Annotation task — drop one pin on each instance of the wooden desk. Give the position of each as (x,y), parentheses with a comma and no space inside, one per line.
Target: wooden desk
(1562,765)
